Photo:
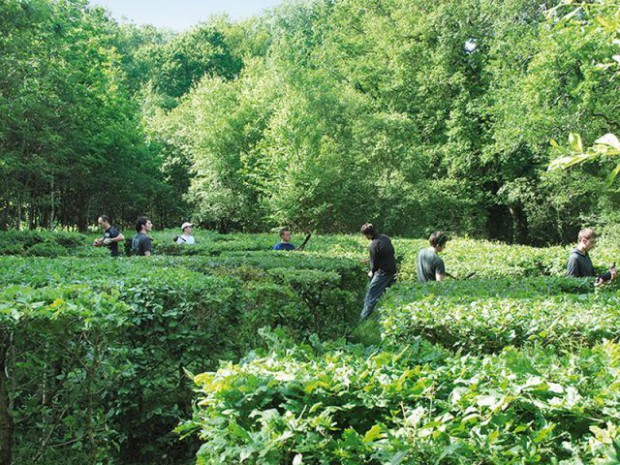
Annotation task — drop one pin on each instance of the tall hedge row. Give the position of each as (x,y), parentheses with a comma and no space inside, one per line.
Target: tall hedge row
(97,354)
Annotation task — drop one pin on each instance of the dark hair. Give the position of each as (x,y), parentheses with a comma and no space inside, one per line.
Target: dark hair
(282,231)
(141,221)
(438,238)
(369,230)
(105,218)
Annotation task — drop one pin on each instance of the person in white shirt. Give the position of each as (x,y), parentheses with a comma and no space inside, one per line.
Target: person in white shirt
(186,237)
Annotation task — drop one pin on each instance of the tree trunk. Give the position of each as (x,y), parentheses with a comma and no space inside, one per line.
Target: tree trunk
(50,224)
(6,425)
(5,213)
(32,211)
(519,221)
(19,212)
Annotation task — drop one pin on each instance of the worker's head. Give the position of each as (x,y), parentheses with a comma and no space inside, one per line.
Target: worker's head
(143,224)
(587,239)
(187,228)
(285,235)
(438,240)
(369,231)
(104,222)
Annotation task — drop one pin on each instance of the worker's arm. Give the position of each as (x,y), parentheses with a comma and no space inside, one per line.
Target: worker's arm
(109,240)
(440,270)
(572,268)
(148,247)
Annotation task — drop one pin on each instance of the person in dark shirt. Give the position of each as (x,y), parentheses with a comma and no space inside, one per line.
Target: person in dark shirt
(285,240)
(141,243)
(579,263)
(111,236)
(382,272)
(430,266)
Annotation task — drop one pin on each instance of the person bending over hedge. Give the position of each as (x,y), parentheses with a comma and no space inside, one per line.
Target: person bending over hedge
(430,266)
(382,272)
(111,235)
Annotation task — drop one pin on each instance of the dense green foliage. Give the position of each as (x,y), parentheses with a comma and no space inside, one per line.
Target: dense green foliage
(599,16)
(321,114)
(97,355)
(417,405)
(428,114)
(71,143)
(96,350)
(557,312)
(510,367)
(40,243)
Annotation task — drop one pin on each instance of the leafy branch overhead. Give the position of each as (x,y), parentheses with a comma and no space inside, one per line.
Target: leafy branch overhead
(607,146)
(604,16)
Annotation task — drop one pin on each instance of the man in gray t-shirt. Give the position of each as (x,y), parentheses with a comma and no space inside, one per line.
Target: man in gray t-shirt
(141,244)
(430,266)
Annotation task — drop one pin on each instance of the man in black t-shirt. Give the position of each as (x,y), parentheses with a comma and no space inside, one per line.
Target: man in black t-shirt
(111,236)
(382,267)
(141,244)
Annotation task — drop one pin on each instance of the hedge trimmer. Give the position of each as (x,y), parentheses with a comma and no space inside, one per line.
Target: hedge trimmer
(303,244)
(469,276)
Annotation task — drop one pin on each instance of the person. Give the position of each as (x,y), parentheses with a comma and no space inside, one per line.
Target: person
(141,243)
(430,266)
(579,263)
(111,236)
(186,237)
(382,272)
(285,240)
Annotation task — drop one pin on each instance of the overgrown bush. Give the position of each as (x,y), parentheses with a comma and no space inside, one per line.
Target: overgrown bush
(179,314)
(40,243)
(337,403)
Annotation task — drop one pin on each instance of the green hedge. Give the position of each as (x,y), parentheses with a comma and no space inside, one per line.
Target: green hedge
(41,243)
(490,260)
(349,405)
(178,314)
(129,329)
(489,315)
(62,365)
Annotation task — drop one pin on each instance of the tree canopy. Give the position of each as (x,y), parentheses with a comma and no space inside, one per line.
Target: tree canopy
(416,115)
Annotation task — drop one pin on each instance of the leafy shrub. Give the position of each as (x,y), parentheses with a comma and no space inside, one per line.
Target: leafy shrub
(45,249)
(11,249)
(491,315)
(346,404)
(63,359)
(40,243)
(181,318)
(336,403)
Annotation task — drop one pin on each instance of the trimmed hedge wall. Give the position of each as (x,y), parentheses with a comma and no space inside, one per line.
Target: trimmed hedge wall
(98,351)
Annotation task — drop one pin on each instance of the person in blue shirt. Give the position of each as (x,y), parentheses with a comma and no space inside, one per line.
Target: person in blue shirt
(285,241)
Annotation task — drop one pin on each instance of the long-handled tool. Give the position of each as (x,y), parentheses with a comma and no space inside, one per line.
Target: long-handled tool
(304,243)
(469,276)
